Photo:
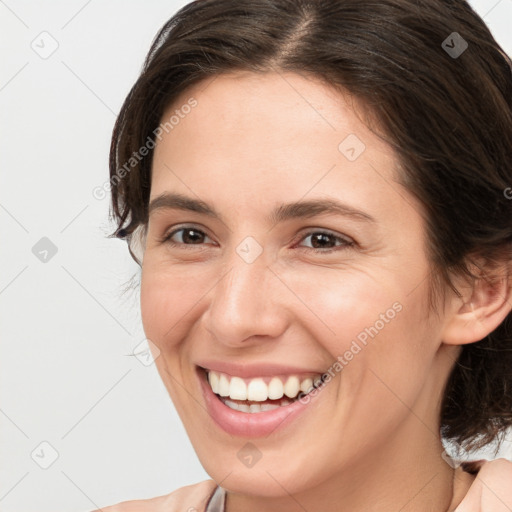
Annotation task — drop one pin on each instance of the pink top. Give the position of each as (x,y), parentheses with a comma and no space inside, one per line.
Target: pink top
(490,490)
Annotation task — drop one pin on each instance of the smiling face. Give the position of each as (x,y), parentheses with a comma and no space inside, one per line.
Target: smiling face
(251,287)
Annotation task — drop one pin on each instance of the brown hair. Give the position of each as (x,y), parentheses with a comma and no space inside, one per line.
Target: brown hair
(448,117)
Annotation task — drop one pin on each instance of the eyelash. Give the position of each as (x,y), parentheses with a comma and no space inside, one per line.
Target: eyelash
(346,243)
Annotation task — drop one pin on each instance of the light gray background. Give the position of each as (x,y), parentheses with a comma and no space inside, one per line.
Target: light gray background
(66,326)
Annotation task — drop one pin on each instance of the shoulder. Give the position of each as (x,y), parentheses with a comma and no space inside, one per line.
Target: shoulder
(491,490)
(191,498)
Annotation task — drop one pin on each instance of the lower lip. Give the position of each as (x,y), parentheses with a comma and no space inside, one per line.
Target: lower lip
(237,423)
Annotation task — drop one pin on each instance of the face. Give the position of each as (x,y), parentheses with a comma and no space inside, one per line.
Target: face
(291,252)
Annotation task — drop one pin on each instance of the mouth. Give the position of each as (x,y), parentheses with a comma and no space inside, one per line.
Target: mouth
(260,394)
(256,406)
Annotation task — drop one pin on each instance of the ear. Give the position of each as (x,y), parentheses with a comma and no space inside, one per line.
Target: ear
(484,305)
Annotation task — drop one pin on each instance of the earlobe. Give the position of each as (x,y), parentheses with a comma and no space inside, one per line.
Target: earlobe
(480,310)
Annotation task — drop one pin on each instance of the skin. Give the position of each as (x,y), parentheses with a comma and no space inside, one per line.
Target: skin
(370,440)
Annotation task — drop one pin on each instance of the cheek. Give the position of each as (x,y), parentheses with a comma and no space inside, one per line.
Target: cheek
(340,305)
(368,324)
(404,351)
(394,364)
(167,303)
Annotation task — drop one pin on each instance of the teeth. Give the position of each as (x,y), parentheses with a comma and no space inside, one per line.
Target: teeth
(254,407)
(213,379)
(269,407)
(275,389)
(223,389)
(244,408)
(257,390)
(231,404)
(305,385)
(292,387)
(237,389)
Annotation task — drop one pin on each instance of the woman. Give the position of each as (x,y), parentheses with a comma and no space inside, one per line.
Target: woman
(317,193)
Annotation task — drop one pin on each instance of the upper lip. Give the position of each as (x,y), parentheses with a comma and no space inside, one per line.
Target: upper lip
(254,369)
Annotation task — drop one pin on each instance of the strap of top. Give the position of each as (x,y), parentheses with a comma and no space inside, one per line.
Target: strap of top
(217,500)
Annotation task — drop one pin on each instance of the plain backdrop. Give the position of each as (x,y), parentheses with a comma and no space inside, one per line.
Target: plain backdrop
(83,423)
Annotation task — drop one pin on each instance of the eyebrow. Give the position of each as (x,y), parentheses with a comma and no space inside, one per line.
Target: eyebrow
(288,211)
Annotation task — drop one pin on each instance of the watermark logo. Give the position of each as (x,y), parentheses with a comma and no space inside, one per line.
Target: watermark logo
(44,44)
(249,455)
(351,147)
(44,250)
(44,455)
(456,456)
(454,45)
(146,352)
(249,249)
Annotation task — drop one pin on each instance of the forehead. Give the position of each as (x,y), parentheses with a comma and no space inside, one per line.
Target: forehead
(270,135)
(263,102)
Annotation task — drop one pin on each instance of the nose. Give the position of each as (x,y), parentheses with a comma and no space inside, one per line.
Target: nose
(246,304)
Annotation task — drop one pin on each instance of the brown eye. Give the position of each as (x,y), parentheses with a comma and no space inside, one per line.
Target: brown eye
(322,241)
(185,236)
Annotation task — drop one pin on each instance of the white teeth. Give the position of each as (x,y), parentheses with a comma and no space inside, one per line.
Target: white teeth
(305,385)
(257,390)
(231,405)
(292,387)
(244,408)
(275,389)
(213,379)
(237,389)
(253,408)
(223,389)
(269,407)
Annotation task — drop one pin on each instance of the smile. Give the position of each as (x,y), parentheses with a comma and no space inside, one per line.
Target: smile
(255,406)
(262,393)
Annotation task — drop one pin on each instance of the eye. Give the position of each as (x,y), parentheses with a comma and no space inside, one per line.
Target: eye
(324,241)
(320,241)
(188,235)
